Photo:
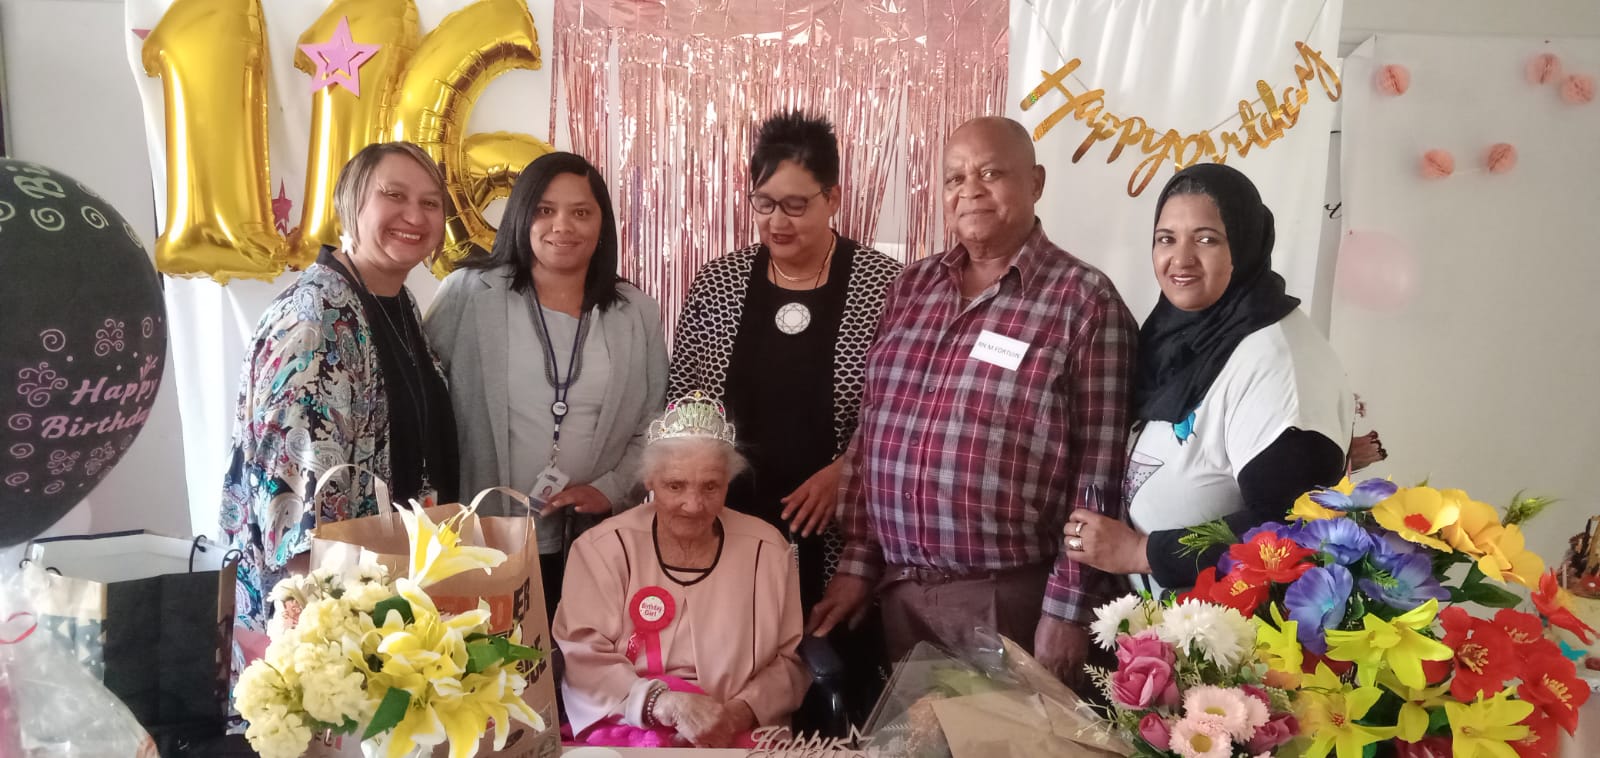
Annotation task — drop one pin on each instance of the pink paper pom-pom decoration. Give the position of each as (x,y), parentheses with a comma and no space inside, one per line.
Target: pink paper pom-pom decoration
(1438,164)
(1393,79)
(1502,157)
(1543,68)
(1578,89)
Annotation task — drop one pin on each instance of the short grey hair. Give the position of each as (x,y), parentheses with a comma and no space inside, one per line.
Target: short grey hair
(350,192)
(658,453)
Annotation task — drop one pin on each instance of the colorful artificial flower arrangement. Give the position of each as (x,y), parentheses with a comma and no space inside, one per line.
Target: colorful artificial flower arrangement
(358,652)
(1188,680)
(1357,616)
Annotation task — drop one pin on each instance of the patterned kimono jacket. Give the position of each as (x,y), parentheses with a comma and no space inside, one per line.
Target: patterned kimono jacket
(311,397)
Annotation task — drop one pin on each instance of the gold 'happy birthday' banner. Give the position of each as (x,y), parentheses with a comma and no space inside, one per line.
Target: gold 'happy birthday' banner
(1255,129)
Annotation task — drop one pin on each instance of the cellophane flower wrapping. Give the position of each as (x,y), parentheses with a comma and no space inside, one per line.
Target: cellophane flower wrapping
(992,700)
(50,706)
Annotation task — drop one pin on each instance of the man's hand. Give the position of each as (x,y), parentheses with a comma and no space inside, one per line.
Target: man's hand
(845,600)
(582,498)
(1062,647)
(812,505)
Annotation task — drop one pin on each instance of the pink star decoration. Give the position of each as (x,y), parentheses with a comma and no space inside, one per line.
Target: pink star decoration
(280,210)
(339,59)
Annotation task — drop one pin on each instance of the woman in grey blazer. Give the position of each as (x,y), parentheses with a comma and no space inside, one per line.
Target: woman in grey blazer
(556,365)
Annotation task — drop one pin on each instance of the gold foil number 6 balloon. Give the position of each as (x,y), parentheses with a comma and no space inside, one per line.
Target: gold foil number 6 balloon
(211,56)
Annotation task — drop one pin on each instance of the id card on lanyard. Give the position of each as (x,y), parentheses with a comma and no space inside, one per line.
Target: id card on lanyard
(552,480)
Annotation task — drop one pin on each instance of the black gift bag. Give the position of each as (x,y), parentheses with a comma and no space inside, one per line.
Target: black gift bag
(153,617)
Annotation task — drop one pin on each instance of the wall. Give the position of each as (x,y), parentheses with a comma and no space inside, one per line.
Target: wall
(70,105)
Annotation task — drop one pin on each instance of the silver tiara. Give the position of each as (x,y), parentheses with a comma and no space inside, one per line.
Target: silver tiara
(695,415)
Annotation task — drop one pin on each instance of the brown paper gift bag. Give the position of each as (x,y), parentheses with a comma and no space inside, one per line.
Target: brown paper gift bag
(514,591)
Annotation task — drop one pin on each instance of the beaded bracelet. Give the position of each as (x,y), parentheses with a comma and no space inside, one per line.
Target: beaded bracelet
(649,717)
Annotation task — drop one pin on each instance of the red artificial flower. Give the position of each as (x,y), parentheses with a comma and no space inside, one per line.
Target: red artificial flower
(1240,594)
(1542,740)
(1551,684)
(1484,656)
(1550,601)
(1203,585)
(1233,591)
(1270,558)
(1523,628)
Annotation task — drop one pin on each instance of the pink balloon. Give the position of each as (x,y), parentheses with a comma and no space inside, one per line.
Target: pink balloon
(1376,271)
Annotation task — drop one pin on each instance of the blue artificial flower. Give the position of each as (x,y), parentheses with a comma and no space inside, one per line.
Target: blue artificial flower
(1404,580)
(1290,531)
(1573,654)
(1340,538)
(1362,497)
(1317,601)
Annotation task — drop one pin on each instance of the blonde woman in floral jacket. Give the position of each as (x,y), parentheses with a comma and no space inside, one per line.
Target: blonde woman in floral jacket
(340,372)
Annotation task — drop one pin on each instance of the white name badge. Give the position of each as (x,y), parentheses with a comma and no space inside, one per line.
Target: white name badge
(999,350)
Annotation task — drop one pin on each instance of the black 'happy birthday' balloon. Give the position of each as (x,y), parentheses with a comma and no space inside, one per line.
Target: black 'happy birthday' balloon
(83,339)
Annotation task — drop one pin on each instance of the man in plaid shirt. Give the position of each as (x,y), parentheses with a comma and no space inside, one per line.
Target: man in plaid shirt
(996,402)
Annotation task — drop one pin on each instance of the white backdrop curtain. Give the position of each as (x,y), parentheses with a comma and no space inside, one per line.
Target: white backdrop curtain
(1183,66)
(1481,374)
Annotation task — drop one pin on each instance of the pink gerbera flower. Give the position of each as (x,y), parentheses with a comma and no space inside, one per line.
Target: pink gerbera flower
(1236,713)
(1200,738)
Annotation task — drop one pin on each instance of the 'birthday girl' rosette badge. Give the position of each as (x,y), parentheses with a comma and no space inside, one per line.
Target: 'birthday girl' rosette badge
(652,610)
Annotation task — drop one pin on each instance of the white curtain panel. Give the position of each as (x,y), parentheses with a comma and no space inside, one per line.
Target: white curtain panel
(1471,335)
(1182,65)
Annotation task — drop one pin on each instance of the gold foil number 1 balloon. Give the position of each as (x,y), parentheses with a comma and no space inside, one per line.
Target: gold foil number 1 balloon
(212,59)
(211,56)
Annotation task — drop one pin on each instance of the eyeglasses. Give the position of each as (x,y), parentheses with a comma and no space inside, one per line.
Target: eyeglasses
(793,206)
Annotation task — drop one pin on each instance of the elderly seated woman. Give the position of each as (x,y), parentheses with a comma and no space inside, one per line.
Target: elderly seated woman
(679,619)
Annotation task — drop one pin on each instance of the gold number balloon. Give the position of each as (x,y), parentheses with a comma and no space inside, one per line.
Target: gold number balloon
(211,56)
(455,62)
(343,122)
(491,164)
(212,59)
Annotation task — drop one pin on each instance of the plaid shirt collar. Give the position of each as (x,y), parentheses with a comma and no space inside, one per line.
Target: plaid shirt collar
(1026,262)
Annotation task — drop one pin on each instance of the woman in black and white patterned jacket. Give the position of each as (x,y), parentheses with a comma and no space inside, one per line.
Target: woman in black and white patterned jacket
(779,331)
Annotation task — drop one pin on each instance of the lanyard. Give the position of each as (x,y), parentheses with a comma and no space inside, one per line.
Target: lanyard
(558,408)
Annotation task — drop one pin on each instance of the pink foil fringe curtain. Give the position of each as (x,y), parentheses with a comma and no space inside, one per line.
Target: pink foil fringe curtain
(665,97)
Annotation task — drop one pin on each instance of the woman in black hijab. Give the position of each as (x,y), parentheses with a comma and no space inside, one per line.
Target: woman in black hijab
(1241,403)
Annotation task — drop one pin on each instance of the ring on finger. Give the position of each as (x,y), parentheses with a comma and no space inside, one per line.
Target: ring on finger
(1076,543)
(1079,529)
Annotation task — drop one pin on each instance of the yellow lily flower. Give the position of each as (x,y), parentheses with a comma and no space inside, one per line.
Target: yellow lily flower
(1413,720)
(1486,726)
(436,549)
(1306,509)
(1471,531)
(1277,639)
(1506,558)
(1417,514)
(1328,711)
(1398,643)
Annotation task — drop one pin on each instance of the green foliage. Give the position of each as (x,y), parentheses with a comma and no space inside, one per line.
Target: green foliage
(397,604)
(1525,509)
(1205,537)
(390,711)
